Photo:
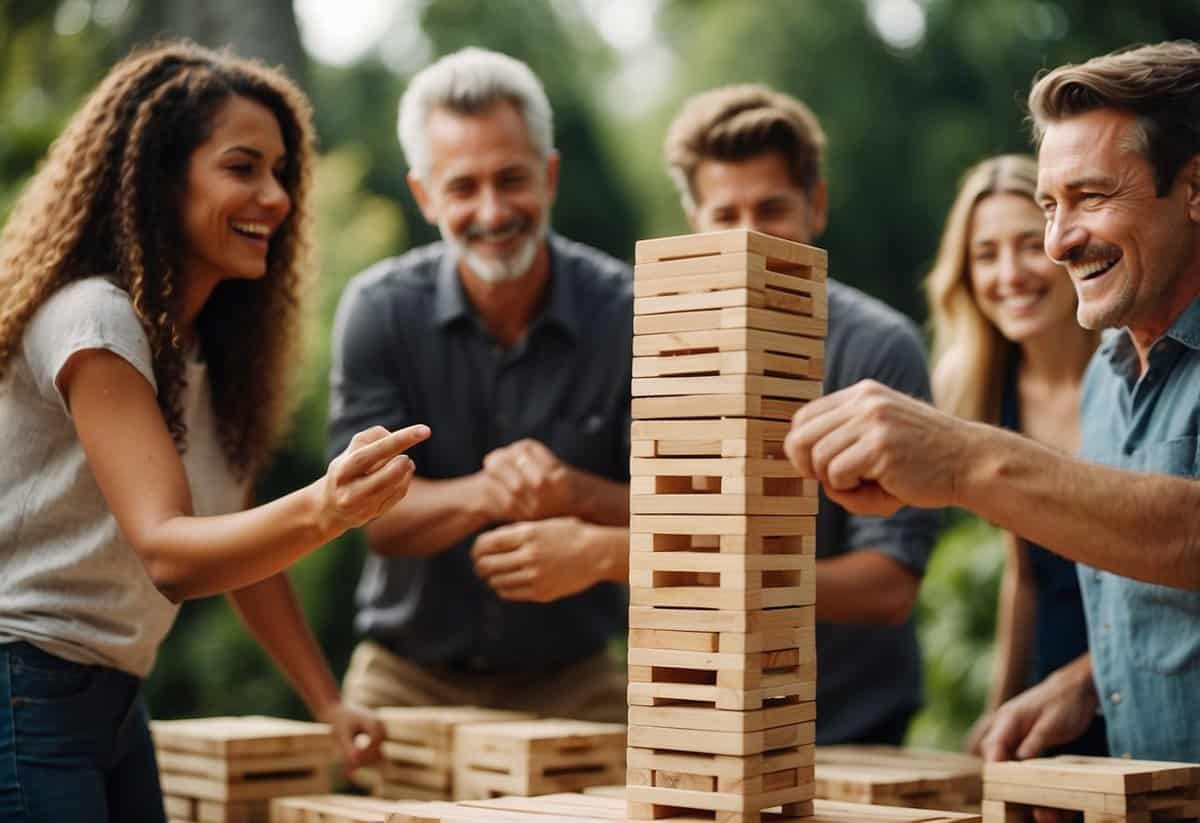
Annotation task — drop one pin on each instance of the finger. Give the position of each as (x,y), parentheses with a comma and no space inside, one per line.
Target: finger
(360,461)
(367,436)
(809,426)
(1041,736)
(497,541)
(541,455)
(378,490)
(868,499)
(1001,741)
(519,578)
(524,594)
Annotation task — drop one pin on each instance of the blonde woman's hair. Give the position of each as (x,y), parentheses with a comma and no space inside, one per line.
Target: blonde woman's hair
(970,356)
(107,202)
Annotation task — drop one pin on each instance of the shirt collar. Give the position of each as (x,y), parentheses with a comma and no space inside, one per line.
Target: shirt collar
(1118,349)
(561,309)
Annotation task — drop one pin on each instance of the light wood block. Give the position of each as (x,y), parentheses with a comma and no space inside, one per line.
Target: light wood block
(726,438)
(248,736)
(725,363)
(1100,787)
(715,742)
(331,808)
(536,757)
(728,318)
(898,776)
(780,388)
(770,299)
(712,580)
(780,254)
(722,720)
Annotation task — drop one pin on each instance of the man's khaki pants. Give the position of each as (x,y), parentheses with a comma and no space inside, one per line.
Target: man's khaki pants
(591,689)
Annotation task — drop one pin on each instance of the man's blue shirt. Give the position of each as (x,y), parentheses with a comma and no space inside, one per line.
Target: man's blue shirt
(1145,638)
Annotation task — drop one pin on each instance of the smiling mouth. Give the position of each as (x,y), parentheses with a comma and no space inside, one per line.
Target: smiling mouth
(1092,269)
(251,230)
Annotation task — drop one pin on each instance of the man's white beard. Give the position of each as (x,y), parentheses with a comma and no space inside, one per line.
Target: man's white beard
(493,270)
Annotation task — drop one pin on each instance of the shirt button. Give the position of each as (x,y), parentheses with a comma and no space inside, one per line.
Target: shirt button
(1115,697)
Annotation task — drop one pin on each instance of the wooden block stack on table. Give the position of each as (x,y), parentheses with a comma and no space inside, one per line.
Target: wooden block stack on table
(1106,790)
(227,769)
(728,342)
(418,750)
(898,776)
(536,757)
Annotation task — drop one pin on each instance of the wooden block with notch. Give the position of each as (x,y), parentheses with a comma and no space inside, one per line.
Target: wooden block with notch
(536,757)
(899,776)
(1102,788)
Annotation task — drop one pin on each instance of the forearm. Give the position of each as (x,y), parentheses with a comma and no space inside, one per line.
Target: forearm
(1014,628)
(865,587)
(191,557)
(274,617)
(434,516)
(598,500)
(1091,514)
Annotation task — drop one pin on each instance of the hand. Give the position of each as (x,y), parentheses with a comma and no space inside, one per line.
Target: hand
(357,733)
(973,743)
(527,482)
(875,449)
(367,478)
(538,561)
(1055,711)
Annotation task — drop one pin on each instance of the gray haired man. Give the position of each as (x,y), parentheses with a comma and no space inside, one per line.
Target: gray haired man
(498,582)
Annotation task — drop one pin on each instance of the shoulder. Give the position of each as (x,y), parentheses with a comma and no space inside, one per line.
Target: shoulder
(92,301)
(855,313)
(409,274)
(593,273)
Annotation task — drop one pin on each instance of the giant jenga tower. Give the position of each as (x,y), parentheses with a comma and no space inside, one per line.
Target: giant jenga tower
(728,342)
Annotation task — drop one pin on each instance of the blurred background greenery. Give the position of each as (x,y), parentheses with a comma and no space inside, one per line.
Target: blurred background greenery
(910,92)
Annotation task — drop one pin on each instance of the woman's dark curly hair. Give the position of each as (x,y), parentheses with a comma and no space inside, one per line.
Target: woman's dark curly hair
(107,201)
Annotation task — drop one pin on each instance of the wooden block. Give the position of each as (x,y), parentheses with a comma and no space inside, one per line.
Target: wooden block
(893,775)
(709,580)
(257,787)
(764,298)
(723,525)
(713,742)
(331,808)
(731,317)
(536,757)
(241,736)
(712,406)
(722,642)
(734,362)
(180,808)
(738,384)
(780,254)
(715,263)
(644,617)
(727,341)
(727,438)
(722,720)
(1096,774)
(244,811)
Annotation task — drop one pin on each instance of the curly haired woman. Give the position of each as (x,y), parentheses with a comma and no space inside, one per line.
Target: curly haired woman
(150,289)
(1008,351)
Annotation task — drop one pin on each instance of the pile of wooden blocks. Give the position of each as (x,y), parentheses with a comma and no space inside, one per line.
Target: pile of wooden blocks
(728,342)
(419,751)
(897,776)
(227,769)
(536,757)
(1106,790)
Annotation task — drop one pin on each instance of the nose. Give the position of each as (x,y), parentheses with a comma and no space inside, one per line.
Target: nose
(273,196)
(493,210)
(1062,236)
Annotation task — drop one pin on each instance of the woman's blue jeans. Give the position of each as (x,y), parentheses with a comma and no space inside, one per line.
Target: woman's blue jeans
(74,743)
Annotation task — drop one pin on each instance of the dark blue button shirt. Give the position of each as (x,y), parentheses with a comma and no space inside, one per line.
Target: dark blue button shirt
(1145,638)
(409,348)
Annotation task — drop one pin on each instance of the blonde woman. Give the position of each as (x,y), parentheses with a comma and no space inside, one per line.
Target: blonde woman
(1008,351)
(150,288)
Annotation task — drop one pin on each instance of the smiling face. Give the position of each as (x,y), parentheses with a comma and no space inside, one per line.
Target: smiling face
(757,193)
(1133,256)
(1018,288)
(488,189)
(234,200)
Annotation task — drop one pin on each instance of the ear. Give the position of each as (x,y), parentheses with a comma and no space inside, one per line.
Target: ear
(552,175)
(1193,188)
(818,203)
(421,195)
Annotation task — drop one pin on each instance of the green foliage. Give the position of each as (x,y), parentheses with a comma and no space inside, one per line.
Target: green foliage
(956,614)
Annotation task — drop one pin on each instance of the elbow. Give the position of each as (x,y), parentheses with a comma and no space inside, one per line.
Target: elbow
(169,580)
(896,607)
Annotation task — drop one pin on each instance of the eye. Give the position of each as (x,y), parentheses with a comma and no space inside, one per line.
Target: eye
(241,169)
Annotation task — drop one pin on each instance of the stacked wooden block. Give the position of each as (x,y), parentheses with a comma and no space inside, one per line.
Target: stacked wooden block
(419,751)
(897,776)
(728,342)
(332,808)
(1106,790)
(227,769)
(536,757)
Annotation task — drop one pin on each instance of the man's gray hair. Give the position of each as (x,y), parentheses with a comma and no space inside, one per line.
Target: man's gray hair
(470,81)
